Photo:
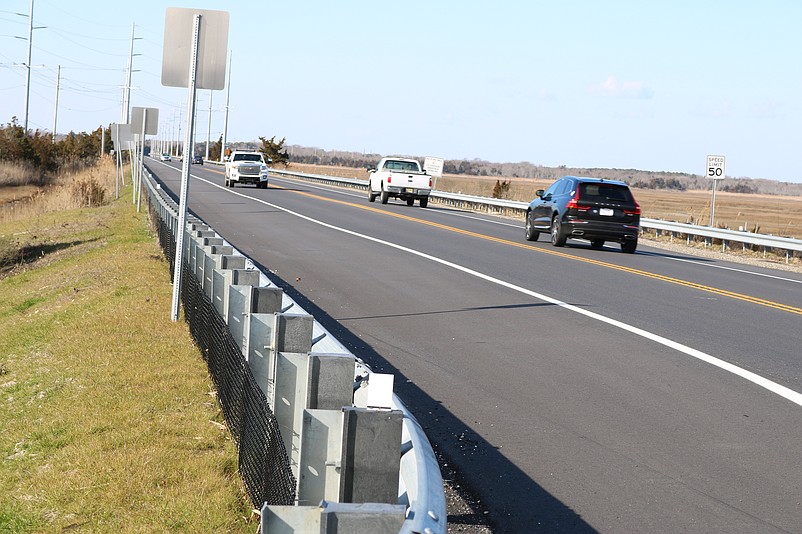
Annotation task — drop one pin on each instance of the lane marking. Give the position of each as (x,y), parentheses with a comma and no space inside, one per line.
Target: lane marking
(511,225)
(631,270)
(724,267)
(623,268)
(756,379)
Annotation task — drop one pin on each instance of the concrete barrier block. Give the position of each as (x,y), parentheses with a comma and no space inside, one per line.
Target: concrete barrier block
(331,381)
(266,299)
(371,449)
(361,518)
(221,248)
(245,277)
(294,333)
(229,261)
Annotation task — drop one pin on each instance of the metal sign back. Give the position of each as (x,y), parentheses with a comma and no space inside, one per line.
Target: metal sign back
(212,48)
(151,123)
(123,134)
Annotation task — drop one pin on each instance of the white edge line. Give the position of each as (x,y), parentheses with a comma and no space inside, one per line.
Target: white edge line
(511,225)
(774,387)
(743,271)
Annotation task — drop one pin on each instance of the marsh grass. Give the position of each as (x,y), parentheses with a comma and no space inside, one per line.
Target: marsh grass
(109,418)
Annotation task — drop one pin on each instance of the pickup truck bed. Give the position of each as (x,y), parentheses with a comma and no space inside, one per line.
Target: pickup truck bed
(400,178)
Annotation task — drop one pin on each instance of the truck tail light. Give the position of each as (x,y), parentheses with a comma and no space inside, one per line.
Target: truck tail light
(430,182)
(390,178)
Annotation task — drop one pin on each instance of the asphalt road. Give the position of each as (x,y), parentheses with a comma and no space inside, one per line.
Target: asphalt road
(575,390)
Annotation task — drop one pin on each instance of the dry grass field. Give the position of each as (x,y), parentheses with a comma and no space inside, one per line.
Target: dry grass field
(767,214)
(109,420)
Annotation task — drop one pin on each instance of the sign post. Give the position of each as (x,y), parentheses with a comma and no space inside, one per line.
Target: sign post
(121,135)
(146,121)
(195,44)
(715,172)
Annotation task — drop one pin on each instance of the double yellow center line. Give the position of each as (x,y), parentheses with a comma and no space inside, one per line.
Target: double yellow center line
(631,270)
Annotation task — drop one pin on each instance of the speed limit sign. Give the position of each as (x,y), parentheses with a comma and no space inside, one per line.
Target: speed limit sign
(715,167)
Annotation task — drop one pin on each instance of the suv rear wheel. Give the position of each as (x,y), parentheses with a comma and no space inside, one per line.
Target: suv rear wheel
(629,246)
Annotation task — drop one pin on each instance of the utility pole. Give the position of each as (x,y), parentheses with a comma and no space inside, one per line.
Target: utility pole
(125,115)
(28,69)
(55,111)
(225,121)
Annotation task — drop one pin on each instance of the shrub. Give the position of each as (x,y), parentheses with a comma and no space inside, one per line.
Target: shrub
(87,192)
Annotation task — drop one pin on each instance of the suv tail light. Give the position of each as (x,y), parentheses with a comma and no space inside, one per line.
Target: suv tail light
(636,211)
(574,203)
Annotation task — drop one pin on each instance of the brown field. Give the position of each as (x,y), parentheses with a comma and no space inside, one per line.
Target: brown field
(767,214)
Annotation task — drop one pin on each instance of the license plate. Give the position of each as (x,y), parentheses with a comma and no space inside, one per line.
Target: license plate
(607,212)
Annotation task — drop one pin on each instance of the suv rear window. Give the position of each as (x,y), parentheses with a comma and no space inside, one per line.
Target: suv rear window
(602,191)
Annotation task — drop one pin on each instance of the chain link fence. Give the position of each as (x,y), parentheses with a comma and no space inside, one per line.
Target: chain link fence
(263,462)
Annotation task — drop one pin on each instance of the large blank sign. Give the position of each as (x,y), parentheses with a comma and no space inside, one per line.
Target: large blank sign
(179,29)
(151,124)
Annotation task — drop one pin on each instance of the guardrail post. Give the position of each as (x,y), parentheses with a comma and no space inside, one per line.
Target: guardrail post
(268,334)
(221,279)
(330,381)
(214,260)
(243,285)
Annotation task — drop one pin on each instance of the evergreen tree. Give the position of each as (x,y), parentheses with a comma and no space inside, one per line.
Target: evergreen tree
(274,151)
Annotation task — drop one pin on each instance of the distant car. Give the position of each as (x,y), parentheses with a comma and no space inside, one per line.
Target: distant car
(594,209)
(166,157)
(197,160)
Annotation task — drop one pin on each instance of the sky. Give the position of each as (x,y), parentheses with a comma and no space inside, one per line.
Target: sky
(650,85)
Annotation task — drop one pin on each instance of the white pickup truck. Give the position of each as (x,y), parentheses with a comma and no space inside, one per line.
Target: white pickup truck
(246,168)
(400,178)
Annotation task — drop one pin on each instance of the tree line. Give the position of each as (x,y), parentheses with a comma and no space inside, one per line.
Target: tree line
(476,167)
(41,151)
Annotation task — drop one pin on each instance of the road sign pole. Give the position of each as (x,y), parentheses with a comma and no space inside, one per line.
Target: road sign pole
(714,170)
(141,162)
(188,149)
(713,205)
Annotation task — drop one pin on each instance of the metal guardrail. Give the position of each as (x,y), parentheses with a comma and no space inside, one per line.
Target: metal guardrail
(421,484)
(518,208)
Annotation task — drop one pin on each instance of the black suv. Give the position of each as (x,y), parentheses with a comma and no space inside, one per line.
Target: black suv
(595,209)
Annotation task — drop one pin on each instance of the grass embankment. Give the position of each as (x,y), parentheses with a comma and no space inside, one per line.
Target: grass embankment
(108,418)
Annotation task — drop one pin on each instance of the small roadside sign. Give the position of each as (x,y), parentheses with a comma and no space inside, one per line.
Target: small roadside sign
(433,166)
(715,167)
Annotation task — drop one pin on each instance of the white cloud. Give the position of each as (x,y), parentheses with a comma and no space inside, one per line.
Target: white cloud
(613,88)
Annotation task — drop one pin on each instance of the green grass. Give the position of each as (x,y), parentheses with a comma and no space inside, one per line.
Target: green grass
(109,418)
